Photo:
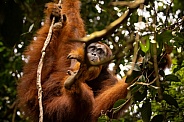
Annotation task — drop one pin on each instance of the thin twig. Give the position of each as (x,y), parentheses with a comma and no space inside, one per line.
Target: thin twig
(39,70)
(167,13)
(144,84)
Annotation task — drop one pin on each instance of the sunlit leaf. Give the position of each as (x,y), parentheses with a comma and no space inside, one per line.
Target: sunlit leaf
(103,118)
(145,47)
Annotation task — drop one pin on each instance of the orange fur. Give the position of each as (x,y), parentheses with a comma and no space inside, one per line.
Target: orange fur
(104,85)
(94,91)
(105,100)
(55,70)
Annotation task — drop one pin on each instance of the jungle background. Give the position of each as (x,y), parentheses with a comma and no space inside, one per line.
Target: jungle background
(153,28)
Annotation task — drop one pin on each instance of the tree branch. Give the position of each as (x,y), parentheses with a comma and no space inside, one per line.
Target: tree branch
(98,35)
(131,4)
(136,44)
(155,63)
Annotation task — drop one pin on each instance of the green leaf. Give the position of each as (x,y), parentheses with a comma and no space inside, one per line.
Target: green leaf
(178,68)
(118,106)
(162,38)
(145,47)
(118,103)
(133,76)
(138,96)
(158,118)
(172,77)
(166,36)
(178,41)
(135,88)
(146,111)
(1,43)
(2,49)
(170,100)
(103,118)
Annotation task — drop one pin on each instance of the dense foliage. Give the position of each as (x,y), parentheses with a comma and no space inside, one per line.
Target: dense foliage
(151,31)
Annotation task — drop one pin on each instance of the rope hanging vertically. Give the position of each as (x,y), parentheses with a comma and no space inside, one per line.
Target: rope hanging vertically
(39,70)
